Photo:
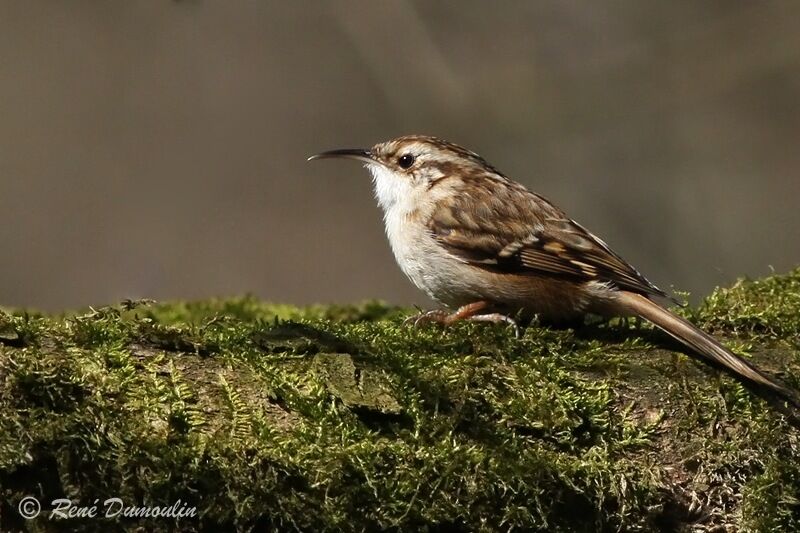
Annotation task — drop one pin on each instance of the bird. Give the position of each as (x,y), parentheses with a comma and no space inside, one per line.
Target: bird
(488,249)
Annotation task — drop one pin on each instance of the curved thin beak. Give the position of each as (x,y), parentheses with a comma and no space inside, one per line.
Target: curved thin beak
(349,153)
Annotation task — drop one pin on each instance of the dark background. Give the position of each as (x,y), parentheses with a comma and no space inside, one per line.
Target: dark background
(157,149)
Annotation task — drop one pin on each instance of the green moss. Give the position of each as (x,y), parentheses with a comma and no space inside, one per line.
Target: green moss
(341,418)
(768,306)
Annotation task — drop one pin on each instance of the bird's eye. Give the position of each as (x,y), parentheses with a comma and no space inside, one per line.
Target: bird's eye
(405,160)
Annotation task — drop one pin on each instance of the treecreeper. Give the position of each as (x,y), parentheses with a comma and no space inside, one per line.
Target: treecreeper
(489,249)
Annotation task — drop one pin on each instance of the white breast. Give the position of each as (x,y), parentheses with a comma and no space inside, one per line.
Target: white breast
(420,258)
(395,196)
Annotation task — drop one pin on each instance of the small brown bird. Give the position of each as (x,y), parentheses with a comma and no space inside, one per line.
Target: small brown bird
(487,248)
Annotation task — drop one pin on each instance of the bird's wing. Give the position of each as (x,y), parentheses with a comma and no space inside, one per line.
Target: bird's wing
(505,228)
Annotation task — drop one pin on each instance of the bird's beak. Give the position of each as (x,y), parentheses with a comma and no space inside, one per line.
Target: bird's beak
(350,153)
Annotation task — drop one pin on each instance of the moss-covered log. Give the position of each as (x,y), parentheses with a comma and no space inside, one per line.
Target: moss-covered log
(340,418)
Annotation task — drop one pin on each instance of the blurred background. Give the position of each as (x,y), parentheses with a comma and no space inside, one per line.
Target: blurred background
(157,148)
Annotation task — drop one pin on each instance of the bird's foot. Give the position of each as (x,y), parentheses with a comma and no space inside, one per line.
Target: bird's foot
(497,318)
(471,312)
(424,317)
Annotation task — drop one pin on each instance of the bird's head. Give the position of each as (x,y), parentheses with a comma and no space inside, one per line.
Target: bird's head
(407,165)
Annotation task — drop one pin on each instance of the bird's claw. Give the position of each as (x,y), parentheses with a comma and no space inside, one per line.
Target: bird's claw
(425,317)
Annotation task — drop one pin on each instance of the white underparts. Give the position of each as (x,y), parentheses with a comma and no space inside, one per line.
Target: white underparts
(395,197)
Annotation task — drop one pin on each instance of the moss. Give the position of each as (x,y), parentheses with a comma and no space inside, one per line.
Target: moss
(340,418)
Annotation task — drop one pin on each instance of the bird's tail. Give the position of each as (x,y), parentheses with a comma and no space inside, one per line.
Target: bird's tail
(703,344)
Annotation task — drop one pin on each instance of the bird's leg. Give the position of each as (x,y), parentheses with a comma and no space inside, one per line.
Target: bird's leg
(469,312)
(441,316)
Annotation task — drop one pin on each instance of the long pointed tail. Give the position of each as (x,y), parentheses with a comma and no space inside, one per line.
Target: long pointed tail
(702,343)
